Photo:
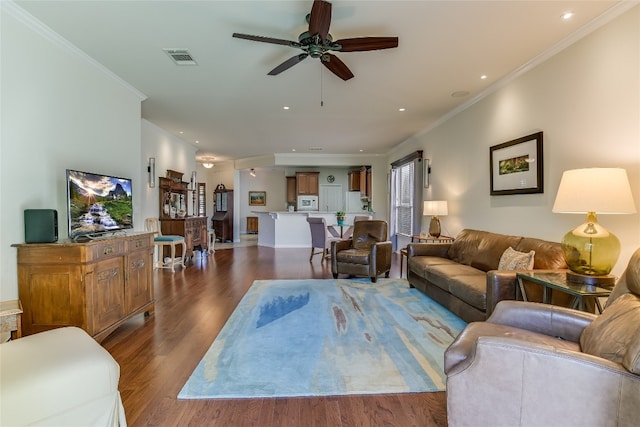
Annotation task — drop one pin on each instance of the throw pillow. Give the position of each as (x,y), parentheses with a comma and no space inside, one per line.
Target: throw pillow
(514,260)
(614,335)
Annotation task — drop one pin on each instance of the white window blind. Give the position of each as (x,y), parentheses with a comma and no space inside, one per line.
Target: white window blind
(403,203)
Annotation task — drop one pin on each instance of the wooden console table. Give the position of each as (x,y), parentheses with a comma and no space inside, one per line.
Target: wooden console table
(96,285)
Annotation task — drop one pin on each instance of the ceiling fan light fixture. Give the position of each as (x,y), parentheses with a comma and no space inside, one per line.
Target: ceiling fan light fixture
(252,172)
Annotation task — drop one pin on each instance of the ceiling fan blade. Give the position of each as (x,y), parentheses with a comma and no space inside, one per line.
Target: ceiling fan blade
(320,19)
(266,40)
(367,43)
(288,64)
(336,66)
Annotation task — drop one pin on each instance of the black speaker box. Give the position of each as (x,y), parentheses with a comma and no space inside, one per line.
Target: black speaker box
(40,225)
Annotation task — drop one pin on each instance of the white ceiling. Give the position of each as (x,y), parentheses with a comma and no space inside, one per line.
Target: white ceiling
(235,110)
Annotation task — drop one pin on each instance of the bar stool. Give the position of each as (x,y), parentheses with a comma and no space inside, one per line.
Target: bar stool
(160,241)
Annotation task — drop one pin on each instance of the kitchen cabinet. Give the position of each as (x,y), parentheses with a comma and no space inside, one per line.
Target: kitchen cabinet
(354,180)
(96,285)
(307,183)
(252,224)
(291,190)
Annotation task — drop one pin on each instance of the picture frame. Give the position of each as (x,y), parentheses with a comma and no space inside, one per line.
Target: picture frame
(257,198)
(516,167)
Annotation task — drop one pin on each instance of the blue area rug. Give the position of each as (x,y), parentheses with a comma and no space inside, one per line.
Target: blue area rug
(327,337)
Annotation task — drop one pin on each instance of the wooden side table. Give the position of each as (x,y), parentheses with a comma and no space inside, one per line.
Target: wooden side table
(11,318)
(420,238)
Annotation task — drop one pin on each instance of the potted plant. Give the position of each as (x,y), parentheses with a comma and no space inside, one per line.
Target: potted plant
(340,217)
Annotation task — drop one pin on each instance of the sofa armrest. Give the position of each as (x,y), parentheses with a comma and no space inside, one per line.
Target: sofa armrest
(501,285)
(428,249)
(545,319)
(535,384)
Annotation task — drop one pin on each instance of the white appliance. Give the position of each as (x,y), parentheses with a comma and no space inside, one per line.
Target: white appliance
(307,203)
(353,202)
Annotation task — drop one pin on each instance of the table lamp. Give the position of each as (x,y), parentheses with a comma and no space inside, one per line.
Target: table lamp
(589,249)
(435,208)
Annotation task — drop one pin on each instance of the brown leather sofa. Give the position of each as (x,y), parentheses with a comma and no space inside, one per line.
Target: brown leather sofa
(367,253)
(463,276)
(534,364)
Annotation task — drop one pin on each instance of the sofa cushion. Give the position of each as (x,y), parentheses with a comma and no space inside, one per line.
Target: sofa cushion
(420,264)
(354,256)
(514,260)
(480,249)
(549,255)
(442,274)
(470,288)
(614,335)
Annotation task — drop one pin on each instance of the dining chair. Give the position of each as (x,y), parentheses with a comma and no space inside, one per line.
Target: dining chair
(320,237)
(160,241)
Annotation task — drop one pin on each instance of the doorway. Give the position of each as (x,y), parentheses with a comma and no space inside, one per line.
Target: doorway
(331,198)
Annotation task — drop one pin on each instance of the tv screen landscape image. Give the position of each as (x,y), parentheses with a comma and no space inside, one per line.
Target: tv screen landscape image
(97,203)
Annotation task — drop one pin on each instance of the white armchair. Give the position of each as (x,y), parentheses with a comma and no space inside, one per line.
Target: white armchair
(60,377)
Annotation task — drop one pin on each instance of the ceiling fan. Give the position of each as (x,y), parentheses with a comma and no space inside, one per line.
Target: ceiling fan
(318,43)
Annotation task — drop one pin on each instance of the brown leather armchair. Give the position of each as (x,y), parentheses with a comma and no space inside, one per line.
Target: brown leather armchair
(367,253)
(533,364)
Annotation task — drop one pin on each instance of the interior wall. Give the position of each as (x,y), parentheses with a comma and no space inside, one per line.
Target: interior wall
(170,152)
(59,111)
(586,100)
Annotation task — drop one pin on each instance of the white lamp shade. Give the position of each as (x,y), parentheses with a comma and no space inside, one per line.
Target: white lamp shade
(435,208)
(599,190)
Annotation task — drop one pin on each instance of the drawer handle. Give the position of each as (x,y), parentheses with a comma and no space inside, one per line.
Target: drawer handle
(138,243)
(108,250)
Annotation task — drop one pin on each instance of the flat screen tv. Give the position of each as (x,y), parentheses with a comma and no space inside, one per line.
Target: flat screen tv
(97,204)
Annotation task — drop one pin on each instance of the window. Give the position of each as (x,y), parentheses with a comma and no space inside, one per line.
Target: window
(406,196)
(201,199)
(403,202)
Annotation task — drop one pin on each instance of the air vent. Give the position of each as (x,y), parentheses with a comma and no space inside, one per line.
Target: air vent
(181,56)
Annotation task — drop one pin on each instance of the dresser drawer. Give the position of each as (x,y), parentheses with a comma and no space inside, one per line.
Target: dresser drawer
(108,249)
(138,243)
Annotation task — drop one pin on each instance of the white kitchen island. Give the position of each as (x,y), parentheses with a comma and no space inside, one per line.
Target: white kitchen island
(284,229)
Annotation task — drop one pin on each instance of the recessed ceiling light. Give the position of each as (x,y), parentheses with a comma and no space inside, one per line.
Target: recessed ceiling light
(181,132)
(402,109)
(285,108)
(361,150)
(293,149)
(483,77)
(197,142)
(567,15)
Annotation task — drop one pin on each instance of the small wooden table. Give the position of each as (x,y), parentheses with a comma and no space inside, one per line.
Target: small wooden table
(420,238)
(558,280)
(11,318)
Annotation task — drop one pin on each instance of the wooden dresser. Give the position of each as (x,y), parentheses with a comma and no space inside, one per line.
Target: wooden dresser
(194,230)
(96,285)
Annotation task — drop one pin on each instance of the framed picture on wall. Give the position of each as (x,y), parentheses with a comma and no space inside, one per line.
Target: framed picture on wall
(257,198)
(516,166)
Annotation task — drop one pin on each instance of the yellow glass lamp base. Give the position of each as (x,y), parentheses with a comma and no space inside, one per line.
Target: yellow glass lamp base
(590,249)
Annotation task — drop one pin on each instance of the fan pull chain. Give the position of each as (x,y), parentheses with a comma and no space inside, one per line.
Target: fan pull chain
(322,86)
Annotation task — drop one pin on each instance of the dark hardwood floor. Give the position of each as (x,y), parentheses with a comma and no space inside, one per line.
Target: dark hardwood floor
(158,353)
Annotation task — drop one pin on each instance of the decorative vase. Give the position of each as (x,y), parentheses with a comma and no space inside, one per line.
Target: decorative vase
(340,220)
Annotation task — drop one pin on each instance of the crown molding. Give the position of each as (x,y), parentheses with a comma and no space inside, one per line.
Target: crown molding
(609,15)
(49,34)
